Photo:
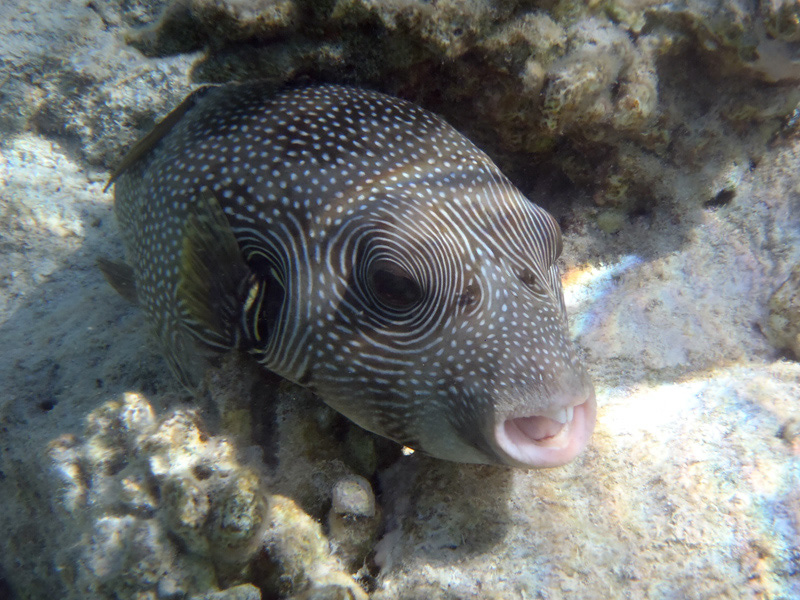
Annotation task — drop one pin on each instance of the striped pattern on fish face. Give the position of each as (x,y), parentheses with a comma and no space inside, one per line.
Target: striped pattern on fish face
(419,294)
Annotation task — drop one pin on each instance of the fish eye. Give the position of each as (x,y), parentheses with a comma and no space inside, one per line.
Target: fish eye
(393,286)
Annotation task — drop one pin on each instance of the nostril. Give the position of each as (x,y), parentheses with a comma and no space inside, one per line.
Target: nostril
(528,278)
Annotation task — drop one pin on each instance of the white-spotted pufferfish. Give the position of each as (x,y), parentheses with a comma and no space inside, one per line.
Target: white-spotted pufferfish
(357,245)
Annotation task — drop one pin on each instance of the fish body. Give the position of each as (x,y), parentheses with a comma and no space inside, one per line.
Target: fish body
(358,245)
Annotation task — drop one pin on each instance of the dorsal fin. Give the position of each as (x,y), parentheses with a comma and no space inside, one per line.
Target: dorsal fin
(162,128)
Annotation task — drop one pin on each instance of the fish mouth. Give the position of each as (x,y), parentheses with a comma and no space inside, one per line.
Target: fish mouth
(549,440)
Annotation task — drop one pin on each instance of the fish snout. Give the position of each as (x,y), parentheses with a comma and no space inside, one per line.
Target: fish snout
(547,438)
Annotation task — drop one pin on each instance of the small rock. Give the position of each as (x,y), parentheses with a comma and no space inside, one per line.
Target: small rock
(240,592)
(353,519)
(352,496)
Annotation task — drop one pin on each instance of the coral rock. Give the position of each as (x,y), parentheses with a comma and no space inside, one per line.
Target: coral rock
(297,543)
(132,485)
(353,520)
(783,324)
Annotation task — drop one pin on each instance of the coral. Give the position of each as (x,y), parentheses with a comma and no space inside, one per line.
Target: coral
(573,84)
(782,19)
(783,322)
(738,36)
(307,569)
(208,500)
(584,87)
(136,484)
(579,92)
(186,26)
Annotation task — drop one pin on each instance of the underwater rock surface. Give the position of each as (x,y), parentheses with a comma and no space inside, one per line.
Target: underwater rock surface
(783,325)
(665,138)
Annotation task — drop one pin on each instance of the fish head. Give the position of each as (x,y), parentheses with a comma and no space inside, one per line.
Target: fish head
(443,326)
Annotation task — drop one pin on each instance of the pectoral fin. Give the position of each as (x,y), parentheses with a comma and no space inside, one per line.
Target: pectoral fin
(120,276)
(214,279)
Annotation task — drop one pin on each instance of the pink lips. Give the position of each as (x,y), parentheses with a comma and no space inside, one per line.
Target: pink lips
(538,441)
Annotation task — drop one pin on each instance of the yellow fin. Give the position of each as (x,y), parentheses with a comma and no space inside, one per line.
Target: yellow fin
(214,279)
(162,128)
(120,276)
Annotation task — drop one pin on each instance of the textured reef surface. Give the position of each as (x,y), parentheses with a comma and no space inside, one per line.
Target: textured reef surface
(664,137)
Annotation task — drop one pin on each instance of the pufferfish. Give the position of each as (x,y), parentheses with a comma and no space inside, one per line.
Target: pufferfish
(357,245)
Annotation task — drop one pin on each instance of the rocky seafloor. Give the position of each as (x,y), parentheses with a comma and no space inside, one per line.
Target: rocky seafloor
(665,137)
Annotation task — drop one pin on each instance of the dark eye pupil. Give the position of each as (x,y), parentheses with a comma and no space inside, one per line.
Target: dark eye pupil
(395,289)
